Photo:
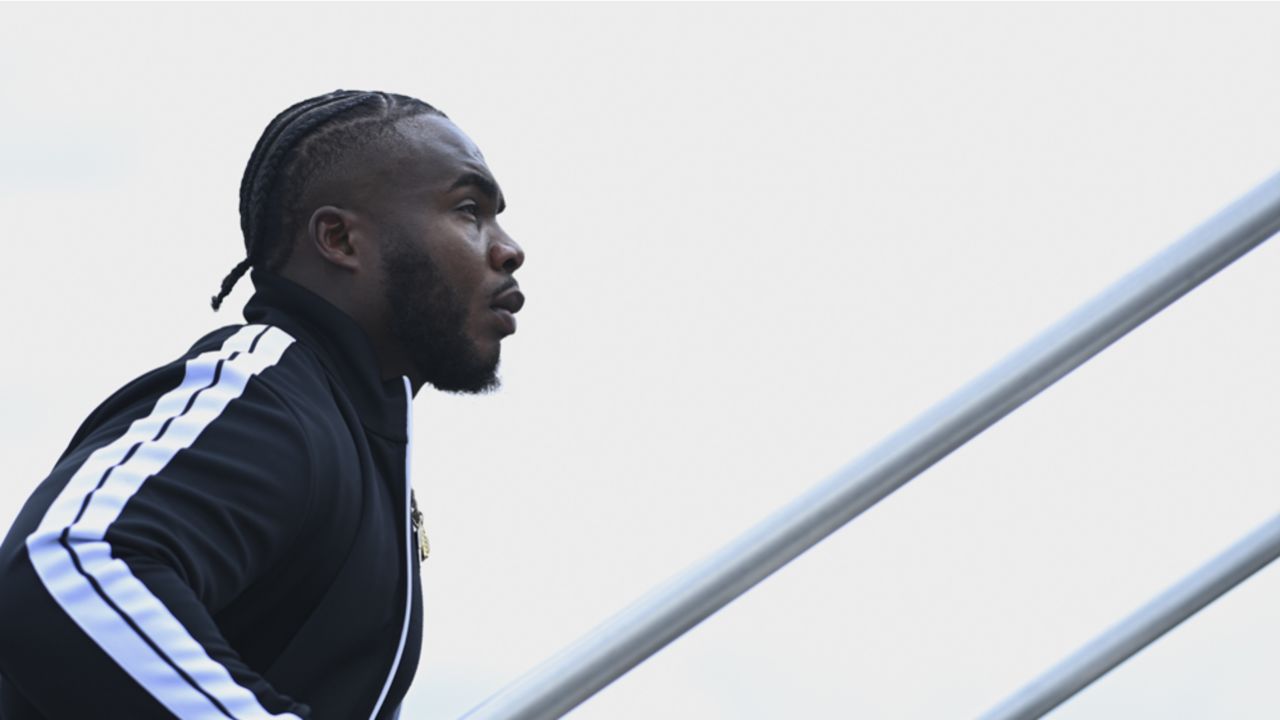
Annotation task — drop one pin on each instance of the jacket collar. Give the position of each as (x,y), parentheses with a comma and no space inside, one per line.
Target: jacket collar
(341,344)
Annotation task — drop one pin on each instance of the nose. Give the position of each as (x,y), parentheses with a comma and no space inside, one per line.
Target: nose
(506,255)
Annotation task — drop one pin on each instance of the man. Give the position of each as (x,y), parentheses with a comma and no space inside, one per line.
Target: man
(233,535)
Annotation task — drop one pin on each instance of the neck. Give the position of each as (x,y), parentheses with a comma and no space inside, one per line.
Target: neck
(368,308)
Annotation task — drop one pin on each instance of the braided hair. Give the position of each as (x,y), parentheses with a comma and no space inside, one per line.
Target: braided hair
(298,145)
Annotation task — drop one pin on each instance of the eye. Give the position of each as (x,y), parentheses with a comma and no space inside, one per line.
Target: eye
(471,209)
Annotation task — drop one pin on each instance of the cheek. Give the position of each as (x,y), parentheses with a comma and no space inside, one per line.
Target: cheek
(464,268)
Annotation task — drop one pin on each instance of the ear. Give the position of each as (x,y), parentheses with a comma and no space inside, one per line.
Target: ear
(336,236)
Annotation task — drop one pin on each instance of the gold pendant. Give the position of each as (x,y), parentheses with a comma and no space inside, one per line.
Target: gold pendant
(415,516)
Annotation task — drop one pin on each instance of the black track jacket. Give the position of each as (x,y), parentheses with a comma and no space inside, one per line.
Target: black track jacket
(227,536)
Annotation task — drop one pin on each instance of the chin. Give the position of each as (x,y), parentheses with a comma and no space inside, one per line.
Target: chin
(472,386)
(472,375)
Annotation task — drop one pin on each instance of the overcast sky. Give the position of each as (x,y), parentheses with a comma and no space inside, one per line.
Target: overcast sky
(759,238)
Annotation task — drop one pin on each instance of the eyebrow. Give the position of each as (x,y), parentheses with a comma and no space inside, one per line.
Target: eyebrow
(484,184)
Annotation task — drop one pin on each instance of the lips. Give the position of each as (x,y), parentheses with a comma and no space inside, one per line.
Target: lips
(506,305)
(510,300)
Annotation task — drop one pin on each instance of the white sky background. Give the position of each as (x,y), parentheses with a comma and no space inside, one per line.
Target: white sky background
(759,238)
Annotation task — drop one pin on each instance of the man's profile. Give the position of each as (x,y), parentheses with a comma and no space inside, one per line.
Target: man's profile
(234,534)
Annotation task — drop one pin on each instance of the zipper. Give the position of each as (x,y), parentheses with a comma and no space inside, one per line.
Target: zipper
(410,509)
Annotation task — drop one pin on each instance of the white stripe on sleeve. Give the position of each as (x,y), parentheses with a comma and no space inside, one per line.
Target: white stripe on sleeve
(114,608)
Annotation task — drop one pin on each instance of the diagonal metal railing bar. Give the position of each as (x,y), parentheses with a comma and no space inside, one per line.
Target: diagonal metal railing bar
(664,614)
(1146,625)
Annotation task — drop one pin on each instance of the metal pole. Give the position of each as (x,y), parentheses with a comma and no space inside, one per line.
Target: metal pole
(1143,627)
(619,644)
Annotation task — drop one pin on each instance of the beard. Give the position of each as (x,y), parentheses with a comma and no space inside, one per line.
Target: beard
(428,320)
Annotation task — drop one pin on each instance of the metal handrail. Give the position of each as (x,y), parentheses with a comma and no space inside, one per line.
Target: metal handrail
(1190,595)
(619,644)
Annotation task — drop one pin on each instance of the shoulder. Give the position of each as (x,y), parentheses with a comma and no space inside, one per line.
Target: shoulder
(256,365)
(272,382)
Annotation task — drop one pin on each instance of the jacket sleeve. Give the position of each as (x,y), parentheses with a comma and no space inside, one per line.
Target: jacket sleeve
(111,577)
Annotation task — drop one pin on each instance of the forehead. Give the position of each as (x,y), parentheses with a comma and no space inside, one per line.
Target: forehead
(419,164)
(432,151)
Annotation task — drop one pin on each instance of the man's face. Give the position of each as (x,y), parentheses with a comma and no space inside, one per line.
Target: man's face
(447,266)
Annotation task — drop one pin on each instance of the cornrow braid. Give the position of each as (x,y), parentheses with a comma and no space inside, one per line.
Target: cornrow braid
(230,281)
(305,139)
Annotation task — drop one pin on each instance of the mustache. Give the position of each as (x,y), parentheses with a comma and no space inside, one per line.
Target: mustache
(505,286)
